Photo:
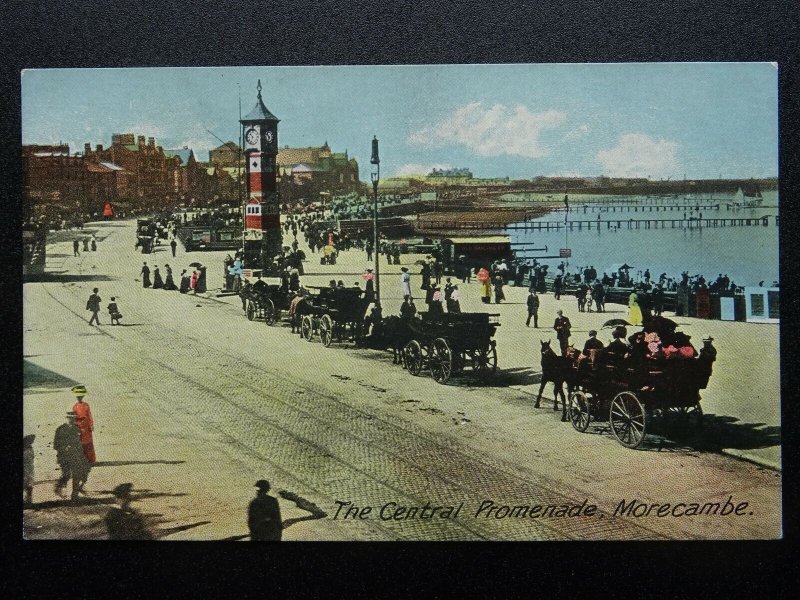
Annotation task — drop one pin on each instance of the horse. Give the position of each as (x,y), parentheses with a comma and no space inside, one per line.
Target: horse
(398,333)
(557,369)
(298,308)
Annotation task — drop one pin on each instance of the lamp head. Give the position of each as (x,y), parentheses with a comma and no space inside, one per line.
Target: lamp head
(375,160)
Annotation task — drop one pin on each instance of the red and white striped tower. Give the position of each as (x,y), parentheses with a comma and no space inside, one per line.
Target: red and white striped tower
(260,135)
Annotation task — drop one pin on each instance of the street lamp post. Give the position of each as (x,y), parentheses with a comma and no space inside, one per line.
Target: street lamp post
(375,176)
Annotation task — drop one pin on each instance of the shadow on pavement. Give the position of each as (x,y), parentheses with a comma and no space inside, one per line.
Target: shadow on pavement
(84,501)
(123,463)
(64,277)
(35,376)
(86,518)
(518,376)
(716,433)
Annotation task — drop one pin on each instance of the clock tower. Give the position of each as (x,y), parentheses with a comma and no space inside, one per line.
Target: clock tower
(263,238)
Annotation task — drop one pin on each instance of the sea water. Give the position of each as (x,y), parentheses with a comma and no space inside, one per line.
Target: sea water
(747,254)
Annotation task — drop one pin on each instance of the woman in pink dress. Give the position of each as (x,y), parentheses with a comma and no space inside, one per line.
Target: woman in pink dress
(85,423)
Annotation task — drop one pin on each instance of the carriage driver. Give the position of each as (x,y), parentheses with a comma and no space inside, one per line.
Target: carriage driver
(592,343)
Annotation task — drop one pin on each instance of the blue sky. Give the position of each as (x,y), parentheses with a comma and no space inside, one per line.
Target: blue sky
(646,119)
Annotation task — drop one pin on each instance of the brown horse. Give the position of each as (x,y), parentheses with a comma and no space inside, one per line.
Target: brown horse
(557,369)
(298,307)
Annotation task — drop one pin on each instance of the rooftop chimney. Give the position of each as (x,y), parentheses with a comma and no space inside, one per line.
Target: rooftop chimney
(151,142)
(140,140)
(99,147)
(87,149)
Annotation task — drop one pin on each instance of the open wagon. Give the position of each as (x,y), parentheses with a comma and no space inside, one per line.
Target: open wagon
(631,397)
(336,314)
(446,344)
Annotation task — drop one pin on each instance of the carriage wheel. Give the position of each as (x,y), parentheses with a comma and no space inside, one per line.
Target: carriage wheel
(440,361)
(326,330)
(628,420)
(251,310)
(269,312)
(307,328)
(484,361)
(579,410)
(413,357)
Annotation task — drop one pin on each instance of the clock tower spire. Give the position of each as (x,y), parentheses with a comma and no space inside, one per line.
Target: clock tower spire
(263,238)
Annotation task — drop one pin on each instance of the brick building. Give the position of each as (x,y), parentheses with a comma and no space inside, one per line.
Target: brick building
(319,168)
(67,182)
(226,155)
(152,171)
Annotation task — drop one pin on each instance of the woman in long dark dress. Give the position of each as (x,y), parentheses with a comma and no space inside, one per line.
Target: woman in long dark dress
(158,283)
(146,276)
(200,286)
(169,282)
(184,282)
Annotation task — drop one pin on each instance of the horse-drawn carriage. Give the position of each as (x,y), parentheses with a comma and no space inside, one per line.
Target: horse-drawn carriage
(336,314)
(631,397)
(446,344)
(265,302)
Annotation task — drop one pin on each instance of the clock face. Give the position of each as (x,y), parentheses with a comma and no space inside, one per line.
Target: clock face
(251,136)
(269,135)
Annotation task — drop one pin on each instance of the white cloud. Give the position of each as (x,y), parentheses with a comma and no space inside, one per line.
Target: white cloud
(494,131)
(639,155)
(418,169)
(577,133)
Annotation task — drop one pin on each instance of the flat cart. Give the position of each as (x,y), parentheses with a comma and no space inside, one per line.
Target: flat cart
(336,314)
(631,397)
(448,343)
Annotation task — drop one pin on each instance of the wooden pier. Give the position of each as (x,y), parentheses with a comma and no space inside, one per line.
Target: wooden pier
(598,207)
(607,224)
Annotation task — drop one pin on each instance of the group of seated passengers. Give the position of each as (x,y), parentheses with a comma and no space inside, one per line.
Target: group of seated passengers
(643,347)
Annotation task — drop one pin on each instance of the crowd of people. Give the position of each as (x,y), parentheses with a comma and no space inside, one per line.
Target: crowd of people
(194,283)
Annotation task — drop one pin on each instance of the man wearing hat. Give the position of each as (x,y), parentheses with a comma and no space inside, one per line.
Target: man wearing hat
(70,457)
(264,515)
(85,422)
(618,348)
(93,304)
(562,327)
(533,308)
(592,343)
(125,523)
(705,362)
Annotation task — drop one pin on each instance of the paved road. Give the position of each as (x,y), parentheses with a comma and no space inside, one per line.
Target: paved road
(193,403)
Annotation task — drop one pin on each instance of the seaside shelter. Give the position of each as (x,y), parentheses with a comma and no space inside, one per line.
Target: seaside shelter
(762,304)
(479,251)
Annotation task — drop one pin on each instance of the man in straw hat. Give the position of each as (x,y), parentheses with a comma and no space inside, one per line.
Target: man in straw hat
(264,515)
(70,457)
(125,523)
(85,422)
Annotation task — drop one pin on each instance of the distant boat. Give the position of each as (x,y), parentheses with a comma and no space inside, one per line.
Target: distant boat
(744,199)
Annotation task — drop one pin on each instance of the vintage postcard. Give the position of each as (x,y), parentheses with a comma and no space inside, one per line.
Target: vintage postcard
(382,303)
